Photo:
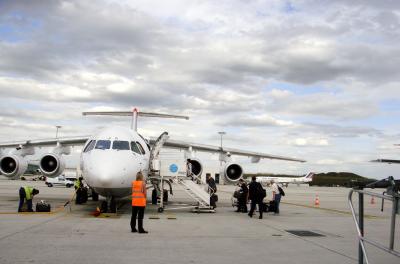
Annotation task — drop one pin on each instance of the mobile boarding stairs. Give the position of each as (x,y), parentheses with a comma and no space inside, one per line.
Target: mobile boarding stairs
(174,171)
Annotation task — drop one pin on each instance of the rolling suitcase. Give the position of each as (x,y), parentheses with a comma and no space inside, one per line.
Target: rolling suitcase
(272,206)
(42,206)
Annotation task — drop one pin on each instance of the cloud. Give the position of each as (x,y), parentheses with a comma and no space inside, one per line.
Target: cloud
(309,142)
(256,121)
(282,79)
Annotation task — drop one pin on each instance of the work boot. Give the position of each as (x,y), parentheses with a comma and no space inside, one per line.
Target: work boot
(140,224)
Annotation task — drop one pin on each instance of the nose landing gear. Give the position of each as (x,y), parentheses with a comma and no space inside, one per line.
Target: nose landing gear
(109,205)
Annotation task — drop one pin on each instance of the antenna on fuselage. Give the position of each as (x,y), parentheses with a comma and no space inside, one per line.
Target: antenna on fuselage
(134,114)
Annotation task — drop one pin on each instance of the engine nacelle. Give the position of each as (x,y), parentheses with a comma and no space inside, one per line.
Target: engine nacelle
(197,167)
(13,166)
(233,172)
(51,164)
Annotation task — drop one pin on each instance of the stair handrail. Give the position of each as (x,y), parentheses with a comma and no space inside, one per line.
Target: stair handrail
(392,195)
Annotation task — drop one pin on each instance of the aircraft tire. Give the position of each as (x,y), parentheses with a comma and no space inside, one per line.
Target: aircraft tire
(113,206)
(95,196)
(103,207)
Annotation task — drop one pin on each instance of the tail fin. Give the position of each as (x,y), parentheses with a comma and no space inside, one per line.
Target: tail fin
(134,114)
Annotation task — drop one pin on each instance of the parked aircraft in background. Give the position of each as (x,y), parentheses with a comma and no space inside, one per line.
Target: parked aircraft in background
(390,161)
(111,159)
(286,180)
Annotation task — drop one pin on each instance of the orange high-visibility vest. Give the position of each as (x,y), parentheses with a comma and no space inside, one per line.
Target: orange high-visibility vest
(138,193)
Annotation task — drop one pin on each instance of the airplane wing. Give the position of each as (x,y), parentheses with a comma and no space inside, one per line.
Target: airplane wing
(65,141)
(386,160)
(209,148)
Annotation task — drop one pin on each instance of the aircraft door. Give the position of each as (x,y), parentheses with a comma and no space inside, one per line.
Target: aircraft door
(217,178)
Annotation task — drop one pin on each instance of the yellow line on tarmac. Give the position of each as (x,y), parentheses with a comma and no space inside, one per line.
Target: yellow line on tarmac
(58,210)
(333,210)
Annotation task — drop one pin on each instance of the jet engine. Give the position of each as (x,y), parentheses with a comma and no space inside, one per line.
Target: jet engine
(13,166)
(51,164)
(197,167)
(233,172)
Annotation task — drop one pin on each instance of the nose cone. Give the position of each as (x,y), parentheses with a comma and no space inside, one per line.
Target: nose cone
(105,175)
(111,170)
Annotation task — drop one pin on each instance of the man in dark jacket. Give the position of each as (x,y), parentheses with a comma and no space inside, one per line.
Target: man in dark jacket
(243,196)
(255,196)
(212,189)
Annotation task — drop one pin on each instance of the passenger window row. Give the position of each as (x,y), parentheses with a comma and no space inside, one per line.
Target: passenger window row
(135,146)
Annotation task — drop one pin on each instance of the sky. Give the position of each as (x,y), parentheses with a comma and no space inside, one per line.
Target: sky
(316,80)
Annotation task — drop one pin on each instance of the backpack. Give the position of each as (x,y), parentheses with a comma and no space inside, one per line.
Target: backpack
(261,192)
(281,192)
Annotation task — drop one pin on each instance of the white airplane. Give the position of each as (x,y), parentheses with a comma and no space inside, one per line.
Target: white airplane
(390,161)
(111,159)
(286,180)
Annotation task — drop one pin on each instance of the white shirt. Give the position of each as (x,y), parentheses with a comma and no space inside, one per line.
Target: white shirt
(275,188)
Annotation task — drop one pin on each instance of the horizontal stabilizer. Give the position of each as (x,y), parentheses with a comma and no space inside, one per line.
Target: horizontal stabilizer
(130,113)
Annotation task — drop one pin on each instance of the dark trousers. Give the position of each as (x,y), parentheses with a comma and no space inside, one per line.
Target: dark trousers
(137,212)
(242,206)
(22,197)
(213,203)
(253,207)
(277,200)
(78,198)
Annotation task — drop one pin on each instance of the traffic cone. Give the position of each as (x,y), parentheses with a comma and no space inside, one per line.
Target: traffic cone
(96,212)
(316,203)
(372,200)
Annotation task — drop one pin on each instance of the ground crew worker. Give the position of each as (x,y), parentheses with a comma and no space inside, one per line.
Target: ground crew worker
(138,203)
(26,193)
(78,185)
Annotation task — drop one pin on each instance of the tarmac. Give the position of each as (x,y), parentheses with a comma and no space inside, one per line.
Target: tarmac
(72,235)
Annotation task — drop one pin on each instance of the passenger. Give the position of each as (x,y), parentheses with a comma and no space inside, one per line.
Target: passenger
(138,203)
(276,195)
(212,189)
(243,197)
(189,169)
(256,197)
(26,193)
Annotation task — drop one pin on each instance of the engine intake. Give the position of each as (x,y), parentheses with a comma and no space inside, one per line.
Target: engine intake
(52,164)
(233,172)
(13,166)
(197,167)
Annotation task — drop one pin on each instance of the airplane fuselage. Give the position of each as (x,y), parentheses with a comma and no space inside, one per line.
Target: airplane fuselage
(111,159)
(286,180)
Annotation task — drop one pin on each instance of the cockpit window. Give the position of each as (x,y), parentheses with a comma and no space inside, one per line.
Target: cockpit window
(140,147)
(120,145)
(103,144)
(90,146)
(135,148)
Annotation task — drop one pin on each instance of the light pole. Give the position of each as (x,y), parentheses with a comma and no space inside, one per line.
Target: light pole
(221,133)
(57,127)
